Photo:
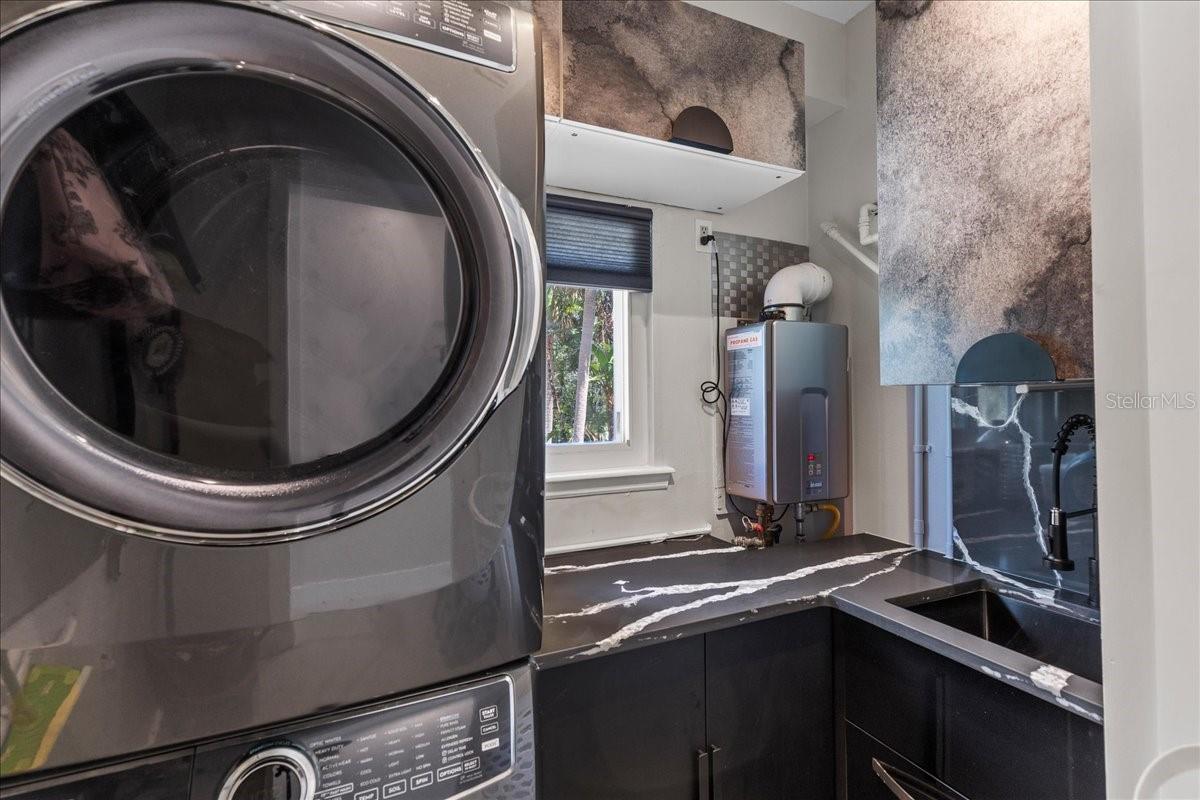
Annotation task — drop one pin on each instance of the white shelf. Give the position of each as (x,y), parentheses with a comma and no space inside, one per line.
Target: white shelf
(593,159)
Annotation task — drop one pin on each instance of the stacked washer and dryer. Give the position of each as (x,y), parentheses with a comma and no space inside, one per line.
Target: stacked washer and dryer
(272,429)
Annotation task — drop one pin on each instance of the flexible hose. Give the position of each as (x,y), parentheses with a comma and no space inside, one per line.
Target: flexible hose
(835,520)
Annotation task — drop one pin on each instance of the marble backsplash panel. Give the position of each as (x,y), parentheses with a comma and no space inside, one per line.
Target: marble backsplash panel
(1002,478)
(984,197)
(633,66)
(741,267)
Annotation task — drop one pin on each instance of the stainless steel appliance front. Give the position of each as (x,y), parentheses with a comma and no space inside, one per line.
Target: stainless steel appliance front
(788,411)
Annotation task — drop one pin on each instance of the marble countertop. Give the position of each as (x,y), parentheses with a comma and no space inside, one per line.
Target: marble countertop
(606,600)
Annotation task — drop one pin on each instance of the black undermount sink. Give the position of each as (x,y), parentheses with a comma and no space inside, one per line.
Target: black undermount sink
(1050,636)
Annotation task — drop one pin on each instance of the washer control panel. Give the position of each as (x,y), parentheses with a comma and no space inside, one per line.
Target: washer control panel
(473,30)
(434,747)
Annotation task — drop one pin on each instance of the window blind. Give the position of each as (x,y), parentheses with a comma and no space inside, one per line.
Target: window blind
(589,243)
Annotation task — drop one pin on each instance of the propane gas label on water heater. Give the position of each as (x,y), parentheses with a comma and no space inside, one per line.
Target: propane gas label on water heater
(741,370)
(745,471)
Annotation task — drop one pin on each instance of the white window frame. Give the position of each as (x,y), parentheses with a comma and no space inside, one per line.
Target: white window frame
(624,465)
(620,382)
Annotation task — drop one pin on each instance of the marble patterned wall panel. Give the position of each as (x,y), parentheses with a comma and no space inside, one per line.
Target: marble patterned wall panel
(633,66)
(984,200)
(1002,479)
(741,267)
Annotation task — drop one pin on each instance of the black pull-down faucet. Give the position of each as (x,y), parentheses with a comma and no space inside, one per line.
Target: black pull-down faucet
(1058,557)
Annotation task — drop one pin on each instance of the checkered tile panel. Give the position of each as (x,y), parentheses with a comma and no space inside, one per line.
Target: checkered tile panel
(746,264)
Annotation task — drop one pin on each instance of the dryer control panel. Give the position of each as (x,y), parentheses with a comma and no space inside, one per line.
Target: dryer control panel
(474,30)
(434,748)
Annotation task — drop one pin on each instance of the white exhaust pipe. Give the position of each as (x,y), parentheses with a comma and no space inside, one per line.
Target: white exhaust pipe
(865,212)
(833,233)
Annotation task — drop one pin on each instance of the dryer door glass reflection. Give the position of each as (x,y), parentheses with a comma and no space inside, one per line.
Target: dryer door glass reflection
(235,273)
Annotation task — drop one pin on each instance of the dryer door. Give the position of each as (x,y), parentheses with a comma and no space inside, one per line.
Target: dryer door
(255,283)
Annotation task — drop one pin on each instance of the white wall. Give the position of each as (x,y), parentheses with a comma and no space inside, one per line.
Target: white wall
(1146,292)
(681,340)
(841,157)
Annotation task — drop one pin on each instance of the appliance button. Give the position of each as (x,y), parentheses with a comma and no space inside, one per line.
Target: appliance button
(421,781)
(491,727)
(446,773)
(488,713)
(489,744)
(471,764)
(369,794)
(395,788)
(283,770)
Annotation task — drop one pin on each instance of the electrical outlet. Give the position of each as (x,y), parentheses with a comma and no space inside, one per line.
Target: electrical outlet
(703,228)
(719,501)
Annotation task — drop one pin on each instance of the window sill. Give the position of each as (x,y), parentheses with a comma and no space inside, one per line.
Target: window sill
(619,480)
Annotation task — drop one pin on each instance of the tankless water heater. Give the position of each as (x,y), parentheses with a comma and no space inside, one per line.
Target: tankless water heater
(787,411)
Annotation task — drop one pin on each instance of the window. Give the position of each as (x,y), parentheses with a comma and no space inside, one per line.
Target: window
(586,365)
(597,306)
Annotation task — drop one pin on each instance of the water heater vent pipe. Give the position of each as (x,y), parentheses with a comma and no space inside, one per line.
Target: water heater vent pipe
(865,212)
(833,233)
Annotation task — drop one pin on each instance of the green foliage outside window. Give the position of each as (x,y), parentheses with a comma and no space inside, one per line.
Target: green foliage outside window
(566,310)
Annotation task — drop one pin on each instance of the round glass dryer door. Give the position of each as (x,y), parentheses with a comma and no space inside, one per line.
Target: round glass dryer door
(242,298)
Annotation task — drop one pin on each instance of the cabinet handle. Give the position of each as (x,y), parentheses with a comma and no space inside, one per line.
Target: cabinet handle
(716,779)
(702,774)
(881,770)
(909,787)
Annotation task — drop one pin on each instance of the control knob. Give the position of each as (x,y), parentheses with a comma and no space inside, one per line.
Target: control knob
(281,772)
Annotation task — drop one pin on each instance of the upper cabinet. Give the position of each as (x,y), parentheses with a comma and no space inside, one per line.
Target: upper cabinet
(633,66)
(984,201)
(618,74)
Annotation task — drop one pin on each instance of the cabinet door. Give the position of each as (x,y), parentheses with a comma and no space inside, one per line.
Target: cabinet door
(891,689)
(1001,743)
(623,727)
(769,690)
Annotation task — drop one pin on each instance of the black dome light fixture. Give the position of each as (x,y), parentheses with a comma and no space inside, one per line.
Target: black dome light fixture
(1005,358)
(697,126)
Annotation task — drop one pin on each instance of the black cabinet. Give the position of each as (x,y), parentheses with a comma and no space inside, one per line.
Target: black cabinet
(628,725)
(891,688)
(745,712)
(806,706)
(953,727)
(1001,743)
(769,692)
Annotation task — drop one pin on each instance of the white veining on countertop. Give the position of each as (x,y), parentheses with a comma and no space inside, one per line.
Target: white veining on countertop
(1051,678)
(960,406)
(1065,703)
(741,589)
(561,568)
(998,675)
(1058,698)
(631,597)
